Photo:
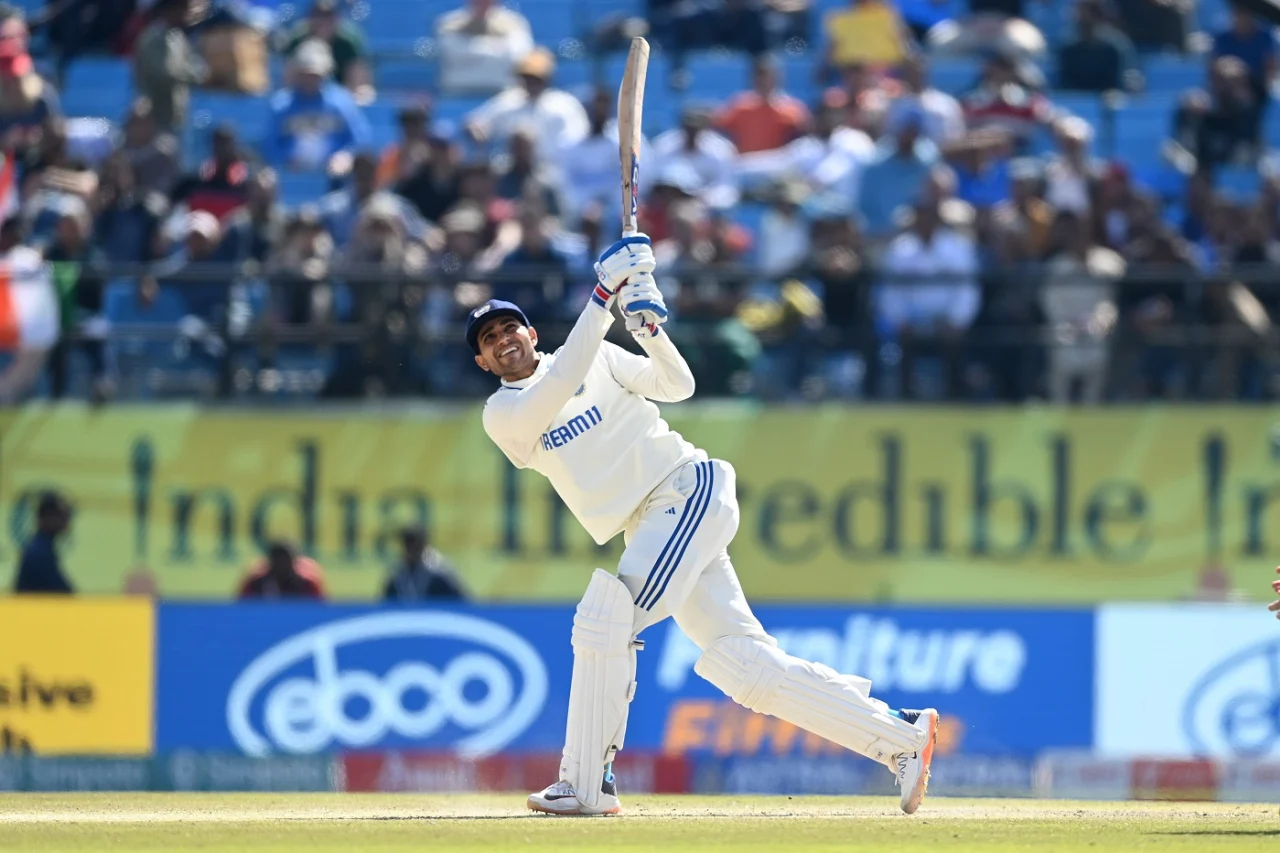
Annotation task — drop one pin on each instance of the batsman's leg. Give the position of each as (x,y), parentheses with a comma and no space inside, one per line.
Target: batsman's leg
(603,683)
(746,663)
(688,518)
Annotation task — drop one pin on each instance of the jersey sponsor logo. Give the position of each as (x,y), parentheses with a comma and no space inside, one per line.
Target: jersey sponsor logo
(577,425)
(298,697)
(582,389)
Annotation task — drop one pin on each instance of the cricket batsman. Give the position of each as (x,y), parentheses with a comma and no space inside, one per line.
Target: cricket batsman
(584,417)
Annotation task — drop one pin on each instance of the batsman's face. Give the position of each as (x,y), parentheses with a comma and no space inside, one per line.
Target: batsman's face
(508,348)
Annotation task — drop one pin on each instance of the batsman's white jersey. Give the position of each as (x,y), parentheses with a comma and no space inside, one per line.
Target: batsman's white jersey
(584,419)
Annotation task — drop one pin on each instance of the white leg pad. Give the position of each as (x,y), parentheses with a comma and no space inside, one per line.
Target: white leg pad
(604,681)
(812,696)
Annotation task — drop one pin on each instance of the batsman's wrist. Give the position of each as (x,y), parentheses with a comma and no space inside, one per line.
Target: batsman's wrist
(602,295)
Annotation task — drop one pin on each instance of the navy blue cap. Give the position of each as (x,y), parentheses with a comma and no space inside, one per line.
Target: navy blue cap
(486,312)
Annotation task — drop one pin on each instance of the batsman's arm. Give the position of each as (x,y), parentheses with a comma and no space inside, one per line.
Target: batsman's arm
(664,376)
(515,418)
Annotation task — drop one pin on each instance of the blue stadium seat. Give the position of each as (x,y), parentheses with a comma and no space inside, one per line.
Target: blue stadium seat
(1213,15)
(298,188)
(798,79)
(1083,105)
(1141,125)
(404,74)
(99,72)
(1161,178)
(954,74)
(397,25)
(1271,127)
(455,109)
(382,115)
(717,75)
(82,102)
(248,114)
(121,306)
(1172,73)
(1240,183)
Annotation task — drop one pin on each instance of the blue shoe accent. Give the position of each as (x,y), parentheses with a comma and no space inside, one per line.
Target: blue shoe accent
(609,786)
(907,714)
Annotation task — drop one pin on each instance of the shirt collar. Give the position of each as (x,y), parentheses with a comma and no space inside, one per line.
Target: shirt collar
(544,364)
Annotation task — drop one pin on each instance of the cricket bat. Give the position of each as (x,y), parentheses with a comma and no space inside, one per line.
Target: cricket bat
(630,112)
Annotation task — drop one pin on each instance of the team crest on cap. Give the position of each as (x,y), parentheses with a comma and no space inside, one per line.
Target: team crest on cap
(482,310)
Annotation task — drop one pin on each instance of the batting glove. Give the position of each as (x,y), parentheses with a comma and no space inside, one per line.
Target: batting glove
(642,305)
(626,259)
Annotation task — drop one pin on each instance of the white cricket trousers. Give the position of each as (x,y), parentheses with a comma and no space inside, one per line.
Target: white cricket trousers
(675,563)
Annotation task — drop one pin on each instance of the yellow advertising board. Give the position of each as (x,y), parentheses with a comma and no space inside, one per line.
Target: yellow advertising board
(838,503)
(76,676)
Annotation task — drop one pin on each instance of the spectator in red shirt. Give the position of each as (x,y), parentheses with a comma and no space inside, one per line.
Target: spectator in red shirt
(283,575)
(1006,99)
(221,185)
(764,118)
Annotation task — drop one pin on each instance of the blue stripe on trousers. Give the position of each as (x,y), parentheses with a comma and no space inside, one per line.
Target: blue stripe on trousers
(675,534)
(670,571)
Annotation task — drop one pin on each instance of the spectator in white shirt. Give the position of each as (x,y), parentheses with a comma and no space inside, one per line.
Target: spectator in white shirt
(784,233)
(943,119)
(1068,174)
(829,160)
(589,169)
(1079,304)
(479,45)
(711,157)
(556,118)
(928,299)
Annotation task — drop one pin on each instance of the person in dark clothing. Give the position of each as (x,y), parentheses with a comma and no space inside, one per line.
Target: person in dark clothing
(435,187)
(221,184)
(1253,44)
(422,573)
(40,569)
(77,27)
(283,574)
(79,273)
(1221,125)
(256,229)
(536,274)
(125,226)
(1156,25)
(1100,56)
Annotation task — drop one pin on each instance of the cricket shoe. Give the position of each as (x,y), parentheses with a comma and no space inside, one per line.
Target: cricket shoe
(561,799)
(912,768)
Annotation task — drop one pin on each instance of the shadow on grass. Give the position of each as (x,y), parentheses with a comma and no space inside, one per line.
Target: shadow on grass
(417,817)
(1260,832)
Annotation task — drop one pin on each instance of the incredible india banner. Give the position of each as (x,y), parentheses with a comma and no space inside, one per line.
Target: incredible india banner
(838,503)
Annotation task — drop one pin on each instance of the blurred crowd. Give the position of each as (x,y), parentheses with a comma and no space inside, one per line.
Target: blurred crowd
(882,239)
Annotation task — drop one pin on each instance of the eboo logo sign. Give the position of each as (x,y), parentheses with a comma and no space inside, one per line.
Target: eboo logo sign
(301,679)
(302,715)
(308,714)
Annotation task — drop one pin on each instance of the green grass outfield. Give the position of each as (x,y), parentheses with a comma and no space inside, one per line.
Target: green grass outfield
(423,823)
